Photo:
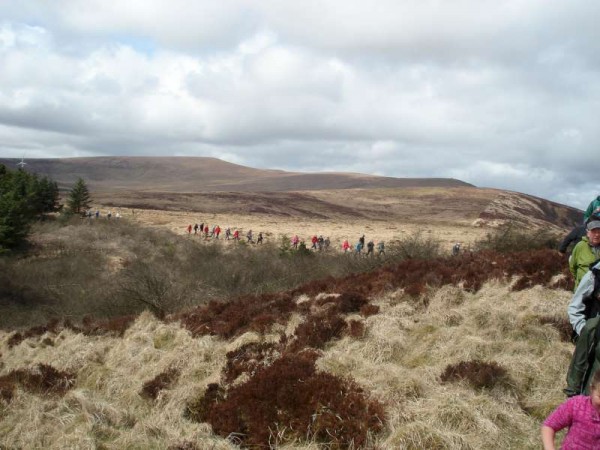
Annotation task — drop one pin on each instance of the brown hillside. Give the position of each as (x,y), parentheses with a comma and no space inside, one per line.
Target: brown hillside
(211,186)
(199,174)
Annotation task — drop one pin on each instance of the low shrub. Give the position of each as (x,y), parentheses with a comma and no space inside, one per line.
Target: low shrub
(356,329)
(163,380)
(479,374)
(40,379)
(416,247)
(369,310)
(317,330)
(290,400)
(7,389)
(561,324)
(351,302)
(513,237)
(114,327)
(199,408)
(248,358)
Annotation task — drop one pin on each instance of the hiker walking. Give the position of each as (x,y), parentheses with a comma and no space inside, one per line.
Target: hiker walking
(587,251)
(359,247)
(201,227)
(345,245)
(370,248)
(295,241)
(585,303)
(314,241)
(195,228)
(259,239)
(456,249)
(189,228)
(236,235)
(217,231)
(249,236)
(227,233)
(381,248)
(361,240)
(320,242)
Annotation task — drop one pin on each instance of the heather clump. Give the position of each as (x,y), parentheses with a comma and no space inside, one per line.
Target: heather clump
(478,374)
(41,379)
(272,393)
(248,358)
(113,327)
(162,381)
(290,400)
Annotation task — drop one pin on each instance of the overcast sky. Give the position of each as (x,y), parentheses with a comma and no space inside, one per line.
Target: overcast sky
(500,94)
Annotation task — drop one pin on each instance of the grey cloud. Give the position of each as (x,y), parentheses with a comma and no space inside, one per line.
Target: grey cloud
(501,94)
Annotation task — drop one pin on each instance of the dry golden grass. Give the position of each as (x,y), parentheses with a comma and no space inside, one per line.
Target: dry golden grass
(399,362)
(457,214)
(273,229)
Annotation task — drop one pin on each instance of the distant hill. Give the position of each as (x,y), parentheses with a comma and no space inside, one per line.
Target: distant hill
(215,186)
(200,174)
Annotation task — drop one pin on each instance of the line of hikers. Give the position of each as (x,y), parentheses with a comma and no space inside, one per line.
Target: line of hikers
(91,214)
(215,232)
(581,411)
(318,243)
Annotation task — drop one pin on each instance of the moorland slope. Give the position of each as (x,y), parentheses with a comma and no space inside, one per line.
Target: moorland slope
(468,352)
(203,174)
(210,186)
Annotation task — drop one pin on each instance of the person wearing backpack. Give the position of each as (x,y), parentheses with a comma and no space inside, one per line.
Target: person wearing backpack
(585,303)
(574,236)
(585,360)
(593,208)
(586,251)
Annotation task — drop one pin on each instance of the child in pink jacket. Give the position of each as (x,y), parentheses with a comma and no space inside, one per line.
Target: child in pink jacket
(581,414)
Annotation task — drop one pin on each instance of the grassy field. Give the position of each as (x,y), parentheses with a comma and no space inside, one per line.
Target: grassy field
(459,353)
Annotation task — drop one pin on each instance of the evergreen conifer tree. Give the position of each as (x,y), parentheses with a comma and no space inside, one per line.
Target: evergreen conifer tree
(79,197)
(23,198)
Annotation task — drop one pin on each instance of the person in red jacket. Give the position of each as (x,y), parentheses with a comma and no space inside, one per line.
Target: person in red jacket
(189,228)
(346,246)
(236,235)
(314,241)
(217,231)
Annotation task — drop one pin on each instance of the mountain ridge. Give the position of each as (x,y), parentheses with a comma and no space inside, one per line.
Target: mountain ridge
(205,174)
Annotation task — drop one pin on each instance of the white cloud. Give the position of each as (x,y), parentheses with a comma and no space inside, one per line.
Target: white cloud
(502,94)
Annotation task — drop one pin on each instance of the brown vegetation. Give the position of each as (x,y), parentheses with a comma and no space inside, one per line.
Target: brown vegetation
(272,390)
(415,277)
(561,324)
(288,400)
(163,380)
(479,374)
(41,379)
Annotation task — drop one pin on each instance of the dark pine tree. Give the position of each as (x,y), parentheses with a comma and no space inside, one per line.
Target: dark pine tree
(79,197)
